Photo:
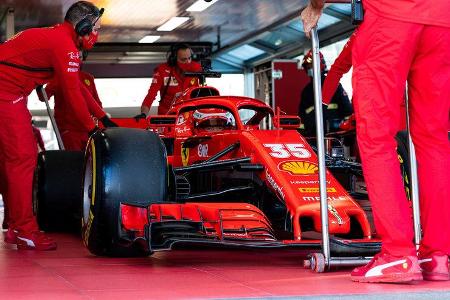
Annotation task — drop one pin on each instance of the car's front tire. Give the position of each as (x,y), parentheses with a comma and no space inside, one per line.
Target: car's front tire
(122,166)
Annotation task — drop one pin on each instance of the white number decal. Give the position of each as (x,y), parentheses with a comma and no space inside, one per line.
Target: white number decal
(278,150)
(298,150)
(288,150)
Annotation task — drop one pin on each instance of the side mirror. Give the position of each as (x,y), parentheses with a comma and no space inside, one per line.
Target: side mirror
(162,124)
(286,122)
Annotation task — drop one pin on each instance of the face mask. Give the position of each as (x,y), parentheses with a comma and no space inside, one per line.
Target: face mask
(89,41)
(187,67)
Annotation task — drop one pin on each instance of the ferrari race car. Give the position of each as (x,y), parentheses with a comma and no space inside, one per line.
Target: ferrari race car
(205,173)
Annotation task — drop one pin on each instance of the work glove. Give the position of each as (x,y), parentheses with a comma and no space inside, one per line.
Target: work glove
(93,131)
(39,93)
(107,122)
(140,116)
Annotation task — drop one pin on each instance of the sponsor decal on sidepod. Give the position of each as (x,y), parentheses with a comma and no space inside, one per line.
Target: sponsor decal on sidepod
(274,185)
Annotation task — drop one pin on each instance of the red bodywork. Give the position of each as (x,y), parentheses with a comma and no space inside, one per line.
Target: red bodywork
(289,171)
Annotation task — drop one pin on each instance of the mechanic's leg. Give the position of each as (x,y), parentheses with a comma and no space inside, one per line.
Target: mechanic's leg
(3,191)
(429,89)
(74,140)
(381,61)
(163,108)
(19,156)
(5,223)
(19,147)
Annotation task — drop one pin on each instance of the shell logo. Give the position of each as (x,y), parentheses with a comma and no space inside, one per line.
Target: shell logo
(298,167)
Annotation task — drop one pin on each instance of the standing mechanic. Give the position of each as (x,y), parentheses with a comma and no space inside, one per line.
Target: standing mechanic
(30,58)
(74,134)
(338,105)
(170,81)
(399,41)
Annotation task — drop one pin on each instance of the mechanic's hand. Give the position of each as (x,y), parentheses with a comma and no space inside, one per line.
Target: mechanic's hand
(39,90)
(140,116)
(310,16)
(106,121)
(93,131)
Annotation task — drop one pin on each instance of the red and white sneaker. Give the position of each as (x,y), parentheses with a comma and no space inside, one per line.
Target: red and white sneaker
(387,268)
(435,267)
(35,240)
(10,236)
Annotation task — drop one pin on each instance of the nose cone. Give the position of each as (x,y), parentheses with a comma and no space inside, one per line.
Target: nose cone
(338,221)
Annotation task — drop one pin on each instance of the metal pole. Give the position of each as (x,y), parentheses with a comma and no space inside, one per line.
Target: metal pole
(414,178)
(43,95)
(317,83)
(10,29)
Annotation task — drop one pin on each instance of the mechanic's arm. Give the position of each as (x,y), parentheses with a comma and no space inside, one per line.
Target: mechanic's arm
(344,105)
(65,64)
(197,68)
(341,65)
(95,109)
(157,83)
(92,105)
(311,14)
(93,89)
(95,93)
(50,89)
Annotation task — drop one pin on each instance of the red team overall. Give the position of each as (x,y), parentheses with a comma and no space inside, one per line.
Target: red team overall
(403,41)
(73,135)
(170,81)
(87,80)
(34,57)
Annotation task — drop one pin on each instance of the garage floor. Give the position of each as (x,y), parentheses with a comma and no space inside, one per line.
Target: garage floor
(72,273)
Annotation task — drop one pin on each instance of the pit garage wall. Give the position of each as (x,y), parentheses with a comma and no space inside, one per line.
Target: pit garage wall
(288,82)
(280,84)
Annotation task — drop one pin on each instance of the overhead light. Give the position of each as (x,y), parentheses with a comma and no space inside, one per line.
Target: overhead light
(200,5)
(173,23)
(149,39)
(278,42)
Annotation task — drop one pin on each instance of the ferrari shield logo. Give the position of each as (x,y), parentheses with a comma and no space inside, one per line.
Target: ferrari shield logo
(87,82)
(185,156)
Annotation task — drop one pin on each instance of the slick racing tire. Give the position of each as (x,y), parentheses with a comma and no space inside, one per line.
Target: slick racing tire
(57,190)
(403,158)
(122,166)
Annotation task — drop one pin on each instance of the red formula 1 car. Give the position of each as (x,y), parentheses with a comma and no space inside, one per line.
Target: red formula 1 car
(206,173)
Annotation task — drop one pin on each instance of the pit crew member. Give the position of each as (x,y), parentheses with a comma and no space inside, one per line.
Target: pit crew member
(30,58)
(399,41)
(169,80)
(338,108)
